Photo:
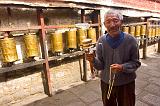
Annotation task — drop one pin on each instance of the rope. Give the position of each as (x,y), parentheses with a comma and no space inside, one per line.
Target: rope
(111,82)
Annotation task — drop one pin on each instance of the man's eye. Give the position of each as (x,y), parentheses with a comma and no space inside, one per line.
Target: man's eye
(115,21)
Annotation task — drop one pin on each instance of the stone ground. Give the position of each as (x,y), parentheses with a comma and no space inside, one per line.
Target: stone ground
(89,94)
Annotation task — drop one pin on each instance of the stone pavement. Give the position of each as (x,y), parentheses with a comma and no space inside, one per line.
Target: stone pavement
(89,94)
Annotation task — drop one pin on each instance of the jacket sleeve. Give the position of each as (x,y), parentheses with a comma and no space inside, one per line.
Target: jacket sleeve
(98,62)
(133,64)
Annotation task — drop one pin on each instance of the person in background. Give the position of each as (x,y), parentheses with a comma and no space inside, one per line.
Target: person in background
(117,52)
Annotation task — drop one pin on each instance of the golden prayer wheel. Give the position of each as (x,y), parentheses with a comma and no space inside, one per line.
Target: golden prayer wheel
(157,31)
(143,30)
(126,29)
(31,44)
(138,30)
(8,48)
(71,39)
(153,32)
(150,32)
(57,42)
(86,43)
(132,30)
(81,35)
(92,34)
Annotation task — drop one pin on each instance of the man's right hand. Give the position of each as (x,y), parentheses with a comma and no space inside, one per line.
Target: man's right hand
(90,57)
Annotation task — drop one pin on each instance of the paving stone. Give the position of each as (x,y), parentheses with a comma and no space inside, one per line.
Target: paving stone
(89,96)
(152,99)
(97,103)
(75,103)
(141,84)
(152,72)
(142,76)
(152,88)
(139,103)
(138,91)
(155,80)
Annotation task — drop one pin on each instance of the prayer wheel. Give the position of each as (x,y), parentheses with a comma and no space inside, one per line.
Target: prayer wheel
(57,42)
(87,43)
(138,30)
(8,48)
(153,32)
(125,29)
(71,39)
(92,34)
(143,30)
(157,31)
(31,44)
(81,36)
(150,32)
(132,30)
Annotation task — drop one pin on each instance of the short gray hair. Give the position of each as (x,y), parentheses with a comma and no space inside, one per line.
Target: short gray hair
(117,13)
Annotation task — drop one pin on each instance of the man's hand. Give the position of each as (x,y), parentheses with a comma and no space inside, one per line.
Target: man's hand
(116,67)
(90,57)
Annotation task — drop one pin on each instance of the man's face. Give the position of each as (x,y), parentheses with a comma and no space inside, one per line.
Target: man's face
(112,24)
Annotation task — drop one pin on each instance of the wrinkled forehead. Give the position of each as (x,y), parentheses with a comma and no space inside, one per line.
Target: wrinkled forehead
(112,16)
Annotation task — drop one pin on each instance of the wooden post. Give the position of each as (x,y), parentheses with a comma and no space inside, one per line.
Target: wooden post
(82,16)
(84,56)
(158,45)
(145,47)
(45,73)
(99,24)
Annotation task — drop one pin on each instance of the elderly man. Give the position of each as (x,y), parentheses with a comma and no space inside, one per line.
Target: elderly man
(116,53)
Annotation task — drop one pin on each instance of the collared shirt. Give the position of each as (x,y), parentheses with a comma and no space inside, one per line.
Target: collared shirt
(114,42)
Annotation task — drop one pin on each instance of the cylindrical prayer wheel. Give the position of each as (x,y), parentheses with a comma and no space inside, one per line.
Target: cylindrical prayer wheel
(57,42)
(31,44)
(81,35)
(157,31)
(138,30)
(150,32)
(132,30)
(92,34)
(8,48)
(125,29)
(71,39)
(143,30)
(153,32)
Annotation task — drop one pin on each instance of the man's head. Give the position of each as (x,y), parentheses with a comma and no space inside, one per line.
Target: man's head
(113,21)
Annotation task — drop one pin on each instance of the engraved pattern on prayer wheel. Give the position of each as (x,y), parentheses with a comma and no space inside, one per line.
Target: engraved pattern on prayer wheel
(31,44)
(138,30)
(81,34)
(132,30)
(150,32)
(143,30)
(71,39)
(125,29)
(157,31)
(91,32)
(57,42)
(153,32)
(8,48)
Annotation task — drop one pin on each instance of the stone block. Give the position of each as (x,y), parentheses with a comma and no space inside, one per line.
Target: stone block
(152,99)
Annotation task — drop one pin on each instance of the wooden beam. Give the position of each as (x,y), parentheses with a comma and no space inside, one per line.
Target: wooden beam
(46,73)
(20,66)
(82,15)
(84,56)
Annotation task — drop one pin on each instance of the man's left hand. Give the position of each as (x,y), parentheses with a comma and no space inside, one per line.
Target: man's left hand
(116,67)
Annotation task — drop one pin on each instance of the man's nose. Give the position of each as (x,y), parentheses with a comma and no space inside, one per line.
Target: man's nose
(112,24)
